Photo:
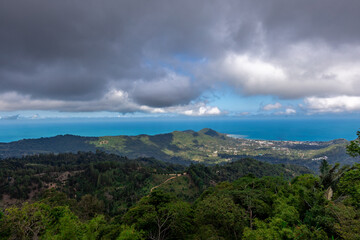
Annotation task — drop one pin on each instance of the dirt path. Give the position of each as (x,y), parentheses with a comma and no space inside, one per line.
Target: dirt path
(176,175)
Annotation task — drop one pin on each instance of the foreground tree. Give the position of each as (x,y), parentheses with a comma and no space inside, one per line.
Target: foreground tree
(220,213)
(349,186)
(27,222)
(347,221)
(353,149)
(161,216)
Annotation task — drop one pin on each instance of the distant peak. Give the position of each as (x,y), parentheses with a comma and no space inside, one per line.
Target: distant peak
(210,132)
(189,131)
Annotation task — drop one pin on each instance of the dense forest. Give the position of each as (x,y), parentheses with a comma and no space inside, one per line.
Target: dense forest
(118,180)
(106,196)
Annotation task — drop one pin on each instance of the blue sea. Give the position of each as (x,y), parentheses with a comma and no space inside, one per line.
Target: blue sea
(268,129)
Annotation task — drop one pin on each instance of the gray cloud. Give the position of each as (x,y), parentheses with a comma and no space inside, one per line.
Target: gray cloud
(77,50)
(69,55)
(329,20)
(114,101)
(171,90)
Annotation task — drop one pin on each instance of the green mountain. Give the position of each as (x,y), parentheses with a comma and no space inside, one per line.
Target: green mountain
(185,147)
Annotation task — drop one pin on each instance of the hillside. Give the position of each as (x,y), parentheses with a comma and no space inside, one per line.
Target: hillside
(57,144)
(118,181)
(185,147)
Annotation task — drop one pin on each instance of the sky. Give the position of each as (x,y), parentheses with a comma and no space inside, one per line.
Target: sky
(77,58)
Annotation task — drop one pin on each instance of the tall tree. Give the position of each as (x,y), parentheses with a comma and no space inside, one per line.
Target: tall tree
(161,216)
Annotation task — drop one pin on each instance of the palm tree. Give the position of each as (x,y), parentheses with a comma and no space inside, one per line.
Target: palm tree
(330,176)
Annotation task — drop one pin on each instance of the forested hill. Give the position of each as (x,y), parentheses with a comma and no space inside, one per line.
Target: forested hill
(184,147)
(118,181)
(58,144)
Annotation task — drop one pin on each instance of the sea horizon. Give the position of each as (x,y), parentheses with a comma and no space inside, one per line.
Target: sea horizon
(286,129)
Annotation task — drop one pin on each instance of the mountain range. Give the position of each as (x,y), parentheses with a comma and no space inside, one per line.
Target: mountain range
(185,147)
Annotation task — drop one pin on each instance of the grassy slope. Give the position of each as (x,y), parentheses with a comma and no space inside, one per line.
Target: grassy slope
(187,146)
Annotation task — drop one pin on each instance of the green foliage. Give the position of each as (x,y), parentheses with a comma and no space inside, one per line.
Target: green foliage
(330,175)
(353,149)
(350,186)
(93,229)
(204,176)
(248,208)
(64,225)
(89,206)
(347,225)
(324,167)
(160,216)
(289,214)
(114,181)
(182,186)
(278,229)
(26,222)
(262,231)
(130,233)
(222,215)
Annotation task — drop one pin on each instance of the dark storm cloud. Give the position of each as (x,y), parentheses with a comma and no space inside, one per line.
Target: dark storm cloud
(329,20)
(81,51)
(75,49)
(171,90)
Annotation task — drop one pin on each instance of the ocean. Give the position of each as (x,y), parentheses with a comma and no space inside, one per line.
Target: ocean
(267,129)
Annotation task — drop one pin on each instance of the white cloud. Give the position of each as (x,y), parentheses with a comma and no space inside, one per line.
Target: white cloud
(333,104)
(198,109)
(299,70)
(290,111)
(250,75)
(269,107)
